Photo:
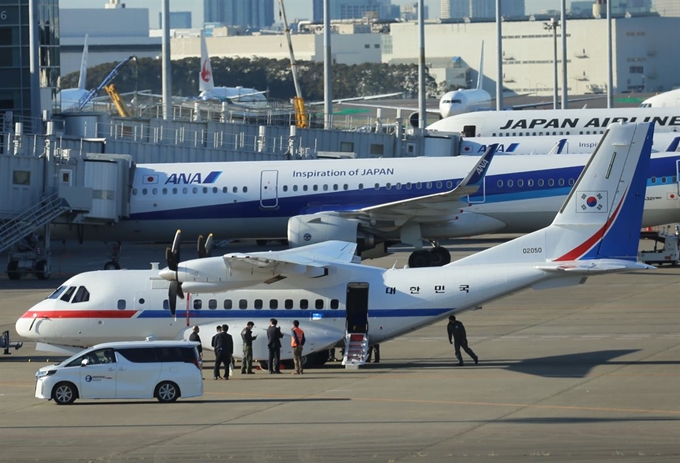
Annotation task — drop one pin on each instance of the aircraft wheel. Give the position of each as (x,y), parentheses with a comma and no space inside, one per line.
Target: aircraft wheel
(64,393)
(440,256)
(13,270)
(167,392)
(42,270)
(420,258)
(112,265)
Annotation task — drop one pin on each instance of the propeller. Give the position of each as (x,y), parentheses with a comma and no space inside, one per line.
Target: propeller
(204,247)
(172,258)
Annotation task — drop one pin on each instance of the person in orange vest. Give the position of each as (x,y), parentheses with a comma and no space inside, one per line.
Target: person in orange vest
(297,340)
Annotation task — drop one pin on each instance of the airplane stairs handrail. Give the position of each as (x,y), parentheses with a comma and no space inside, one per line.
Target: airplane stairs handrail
(356,350)
(15,228)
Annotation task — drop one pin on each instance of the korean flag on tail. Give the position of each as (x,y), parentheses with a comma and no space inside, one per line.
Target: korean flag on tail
(150,179)
(592,201)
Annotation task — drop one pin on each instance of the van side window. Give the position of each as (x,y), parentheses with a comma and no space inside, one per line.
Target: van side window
(139,354)
(175,354)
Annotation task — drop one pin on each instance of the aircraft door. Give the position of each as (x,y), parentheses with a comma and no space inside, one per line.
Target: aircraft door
(356,308)
(269,189)
(470,131)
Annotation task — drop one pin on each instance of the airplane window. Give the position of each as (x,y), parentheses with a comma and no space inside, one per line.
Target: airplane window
(194,190)
(165,191)
(82,295)
(288,304)
(499,183)
(273,304)
(551,182)
(673,179)
(245,189)
(122,304)
(225,189)
(345,187)
(227,304)
(335,187)
(653,179)
(388,186)
(377,186)
(285,187)
(428,185)
(520,183)
(235,189)
(419,186)
(325,187)
(304,187)
(510,183)
(198,304)
(174,191)
(185,190)
(408,185)
(530,182)
(318,304)
(212,304)
(242,304)
(560,182)
(540,182)
(663,179)
(361,186)
(439,185)
(315,187)
(398,186)
(449,185)
(258,304)
(154,191)
(304,304)
(205,189)
(294,187)
(57,292)
(144,191)
(67,295)
(134,191)
(335,304)
(215,189)
(571,182)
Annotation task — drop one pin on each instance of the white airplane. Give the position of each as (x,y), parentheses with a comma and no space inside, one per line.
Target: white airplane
(373,202)
(555,144)
(466,100)
(238,95)
(71,97)
(596,231)
(670,99)
(530,123)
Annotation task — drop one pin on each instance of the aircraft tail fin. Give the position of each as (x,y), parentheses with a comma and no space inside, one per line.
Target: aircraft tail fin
(559,147)
(480,76)
(602,216)
(205,76)
(673,147)
(83,66)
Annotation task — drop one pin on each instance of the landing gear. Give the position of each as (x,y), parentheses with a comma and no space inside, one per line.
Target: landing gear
(434,257)
(114,255)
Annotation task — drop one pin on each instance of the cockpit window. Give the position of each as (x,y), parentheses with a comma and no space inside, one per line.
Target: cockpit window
(82,295)
(57,292)
(456,101)
(67,295)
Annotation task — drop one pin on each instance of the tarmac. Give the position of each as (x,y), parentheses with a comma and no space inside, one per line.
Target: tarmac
(580,374)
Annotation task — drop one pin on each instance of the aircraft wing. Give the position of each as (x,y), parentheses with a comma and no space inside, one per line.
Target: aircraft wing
(349,102)
(593,267)
(318,255)
(358,98)
(550,103)
(438,203)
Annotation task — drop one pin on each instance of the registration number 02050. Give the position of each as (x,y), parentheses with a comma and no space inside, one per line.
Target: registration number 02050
(532,250)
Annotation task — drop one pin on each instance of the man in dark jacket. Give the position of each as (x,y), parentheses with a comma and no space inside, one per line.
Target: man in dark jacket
(456,330)
(194,337)
(274,336)
(248,338)
(216,344)
(227,349)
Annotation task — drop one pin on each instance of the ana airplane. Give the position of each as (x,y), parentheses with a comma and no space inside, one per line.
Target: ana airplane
(596,231)
(372,202)
(71,97)
(670,99)
(530,123)
(238,95)
(556,144)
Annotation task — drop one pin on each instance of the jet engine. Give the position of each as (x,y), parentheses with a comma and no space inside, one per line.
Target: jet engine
(324,226)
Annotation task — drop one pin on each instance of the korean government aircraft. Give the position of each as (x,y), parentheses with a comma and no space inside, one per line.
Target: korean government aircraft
(595,231)
(371,202)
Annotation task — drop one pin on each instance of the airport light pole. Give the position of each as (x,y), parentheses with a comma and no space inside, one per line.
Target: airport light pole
(553,25)
(166,78)
(499,46)
(565,86)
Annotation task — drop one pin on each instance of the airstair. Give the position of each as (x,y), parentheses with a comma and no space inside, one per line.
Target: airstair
(356,350)
(15,228)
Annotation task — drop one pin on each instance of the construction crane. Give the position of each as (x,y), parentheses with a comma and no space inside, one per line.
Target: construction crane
(105,82)
(122,108)
(301,117)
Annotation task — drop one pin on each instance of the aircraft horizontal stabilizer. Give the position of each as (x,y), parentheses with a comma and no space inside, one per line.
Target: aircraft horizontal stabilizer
(593,267)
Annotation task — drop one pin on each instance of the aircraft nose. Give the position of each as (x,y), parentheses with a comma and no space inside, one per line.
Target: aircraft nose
(23,325)
(167,274)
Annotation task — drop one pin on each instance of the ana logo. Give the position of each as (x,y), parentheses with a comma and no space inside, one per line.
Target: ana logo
(88,378)
(206,71)
(191,178)
(482,165)
(307,237)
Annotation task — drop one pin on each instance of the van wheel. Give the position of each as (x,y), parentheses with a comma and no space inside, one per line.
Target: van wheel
(167,392)
(64,393)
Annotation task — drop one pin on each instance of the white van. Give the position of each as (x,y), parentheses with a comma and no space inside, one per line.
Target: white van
(165,370)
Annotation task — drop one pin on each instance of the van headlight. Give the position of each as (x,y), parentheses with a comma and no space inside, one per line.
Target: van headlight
(42,374)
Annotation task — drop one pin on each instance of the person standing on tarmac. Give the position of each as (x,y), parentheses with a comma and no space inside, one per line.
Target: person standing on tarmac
(194,337)
(456,330)
(297,340)
(274,336)
(216,344)
(227,349)
(248,338)
(375,348)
